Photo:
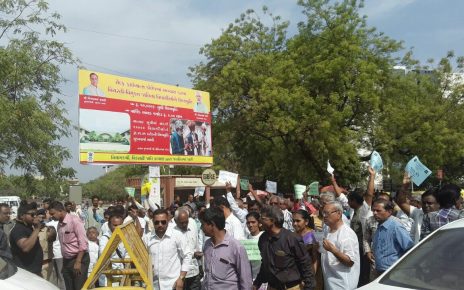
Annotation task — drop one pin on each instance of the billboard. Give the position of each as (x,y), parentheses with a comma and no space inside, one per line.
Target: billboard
(129,121)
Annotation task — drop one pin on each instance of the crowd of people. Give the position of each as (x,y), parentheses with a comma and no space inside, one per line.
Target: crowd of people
(336,240)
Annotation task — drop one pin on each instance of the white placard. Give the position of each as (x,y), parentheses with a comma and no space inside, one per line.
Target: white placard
(330,169)
(199,191)
(271,186)
(226,176)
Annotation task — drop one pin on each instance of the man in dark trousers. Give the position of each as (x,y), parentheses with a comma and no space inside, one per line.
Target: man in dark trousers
(74,247)
(286,264)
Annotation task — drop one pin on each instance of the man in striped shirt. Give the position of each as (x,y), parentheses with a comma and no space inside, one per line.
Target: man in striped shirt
(447,198)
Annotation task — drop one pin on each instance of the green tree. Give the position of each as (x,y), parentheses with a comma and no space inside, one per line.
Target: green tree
(421,114)
(117,138)
(32,115)
(93,137)
(111,185)
(284,106)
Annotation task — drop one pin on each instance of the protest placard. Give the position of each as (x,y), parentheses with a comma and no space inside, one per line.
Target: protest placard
(271,186)
(226,176)
(376,162)
(244,184)
(251,248)
(130,191)
(199,191)
(417,171)
(299,190)
(314,188)
(330,169)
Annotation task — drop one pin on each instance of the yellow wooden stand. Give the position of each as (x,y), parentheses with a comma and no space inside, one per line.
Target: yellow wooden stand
(136,268)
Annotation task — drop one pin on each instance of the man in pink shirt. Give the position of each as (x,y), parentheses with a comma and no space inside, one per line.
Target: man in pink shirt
(74,247)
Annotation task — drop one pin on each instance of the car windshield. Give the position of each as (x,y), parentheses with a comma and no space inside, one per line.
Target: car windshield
(437,264)
(7,269)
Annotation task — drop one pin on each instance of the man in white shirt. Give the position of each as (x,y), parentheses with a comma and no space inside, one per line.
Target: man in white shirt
(240,213)
(288,217)
(233,226)
(340,251)
(170,253)
(56,277)
(429,204)
(360,205)
(92,89)
(120,253)
(188,227)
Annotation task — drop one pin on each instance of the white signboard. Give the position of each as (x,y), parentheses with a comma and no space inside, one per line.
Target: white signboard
(153,171)
(226,176)
(271,186)
(155,185)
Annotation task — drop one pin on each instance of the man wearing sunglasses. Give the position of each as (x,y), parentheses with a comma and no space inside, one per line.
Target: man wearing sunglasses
(24,241)
(171,255)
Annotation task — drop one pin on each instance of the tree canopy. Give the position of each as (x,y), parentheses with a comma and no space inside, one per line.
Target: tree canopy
(283,105)
(32,118)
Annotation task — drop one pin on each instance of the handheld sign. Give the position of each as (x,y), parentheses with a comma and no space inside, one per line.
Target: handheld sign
(226,176)
(199,191)
(314,188)
(130,191)
(417,171)
(299,190)
(252,250)
(376,161)
(244,184)
(330,169)
(271,186)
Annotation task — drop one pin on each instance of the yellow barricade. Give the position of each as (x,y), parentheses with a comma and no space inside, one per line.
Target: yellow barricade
(136,268)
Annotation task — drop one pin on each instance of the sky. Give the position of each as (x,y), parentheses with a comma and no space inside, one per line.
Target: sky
(158,40)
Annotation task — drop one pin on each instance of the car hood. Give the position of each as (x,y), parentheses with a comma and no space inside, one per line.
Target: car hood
(25,280)
(376,286)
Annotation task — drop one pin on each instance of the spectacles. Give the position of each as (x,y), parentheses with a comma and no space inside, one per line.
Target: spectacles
(273,203)
(160,222)
(328,213)
(32,214)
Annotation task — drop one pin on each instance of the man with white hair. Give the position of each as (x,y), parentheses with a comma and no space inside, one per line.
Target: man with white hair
(340,253)
(324,199)
(177,141)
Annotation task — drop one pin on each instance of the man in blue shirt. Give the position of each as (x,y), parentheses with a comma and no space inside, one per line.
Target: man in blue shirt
(391,240)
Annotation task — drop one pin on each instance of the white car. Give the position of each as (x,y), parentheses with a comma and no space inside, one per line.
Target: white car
(15,278)
(436,263)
